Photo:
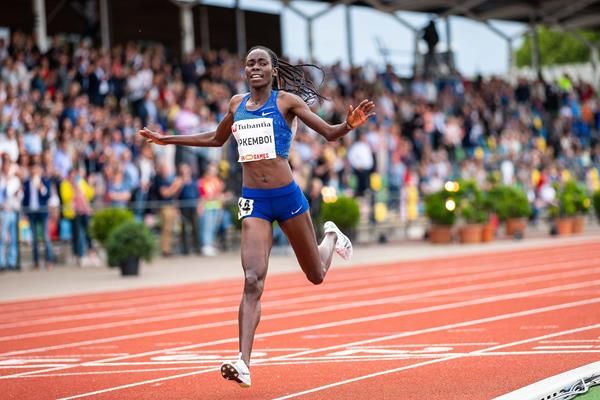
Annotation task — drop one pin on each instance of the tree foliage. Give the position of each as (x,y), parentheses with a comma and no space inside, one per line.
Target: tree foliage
(557,48)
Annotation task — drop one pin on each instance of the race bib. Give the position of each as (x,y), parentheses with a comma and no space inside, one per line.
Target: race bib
(245,207)
(255,139)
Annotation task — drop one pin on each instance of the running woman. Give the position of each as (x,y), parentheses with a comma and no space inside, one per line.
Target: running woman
(260,122)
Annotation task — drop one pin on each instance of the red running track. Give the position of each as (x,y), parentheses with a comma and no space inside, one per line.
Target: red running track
(469,327)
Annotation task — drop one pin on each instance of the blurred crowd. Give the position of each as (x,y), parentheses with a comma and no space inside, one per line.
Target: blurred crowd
(68,142)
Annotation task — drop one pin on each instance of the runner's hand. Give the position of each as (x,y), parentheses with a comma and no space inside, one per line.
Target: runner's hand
(152,137)
(359,115)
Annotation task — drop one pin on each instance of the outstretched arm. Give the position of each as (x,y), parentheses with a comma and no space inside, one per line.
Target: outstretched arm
(214,138)
(356,117)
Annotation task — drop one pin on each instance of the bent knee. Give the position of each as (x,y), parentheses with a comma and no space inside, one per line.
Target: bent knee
(253,284)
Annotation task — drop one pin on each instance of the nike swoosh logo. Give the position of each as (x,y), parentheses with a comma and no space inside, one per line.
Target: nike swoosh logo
(295,212)
(264,114)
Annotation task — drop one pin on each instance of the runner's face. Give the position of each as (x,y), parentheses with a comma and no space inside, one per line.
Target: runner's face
(259,69)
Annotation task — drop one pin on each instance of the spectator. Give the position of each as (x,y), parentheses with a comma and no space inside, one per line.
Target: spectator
(118,191)
(36,193)
(167,189)
(76,196)
(189,206)
(10,199)
(361,160)
(211,189)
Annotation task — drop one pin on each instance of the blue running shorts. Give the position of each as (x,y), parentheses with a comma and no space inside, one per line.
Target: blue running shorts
(277,204)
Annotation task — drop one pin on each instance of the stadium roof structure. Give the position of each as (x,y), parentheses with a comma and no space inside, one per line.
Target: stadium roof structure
(565,15)
(576,14)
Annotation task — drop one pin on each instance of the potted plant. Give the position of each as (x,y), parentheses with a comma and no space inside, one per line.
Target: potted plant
(581,201)
(104,221)
(488,231)
(472,212)
(128,243)
(565,210)
(344,212)
(596,203)
(512,207)
(440,208)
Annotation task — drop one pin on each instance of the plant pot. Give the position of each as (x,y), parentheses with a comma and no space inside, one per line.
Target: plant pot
(470,233)
(515,227)
(578,224)
(564,226)
(440,234)
(130,266)
(488,232)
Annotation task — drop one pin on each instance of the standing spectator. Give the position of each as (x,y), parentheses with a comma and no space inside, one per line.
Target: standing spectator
(131,173)
(62,161)
(10,192)
(189,198)
(167,190)
(36,193)
(9,144)
(76,195)
(147,172)
(361,160)
(211,189)
(118,191)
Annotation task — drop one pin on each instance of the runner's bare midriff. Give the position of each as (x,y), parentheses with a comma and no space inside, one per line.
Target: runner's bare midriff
(267,174)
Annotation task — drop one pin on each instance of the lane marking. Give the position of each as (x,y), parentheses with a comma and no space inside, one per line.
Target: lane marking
(391,371)
(368,284)
(42,306)
(428,330)
(335,307)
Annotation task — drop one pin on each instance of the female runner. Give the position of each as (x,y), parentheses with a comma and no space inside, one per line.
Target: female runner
(260,121)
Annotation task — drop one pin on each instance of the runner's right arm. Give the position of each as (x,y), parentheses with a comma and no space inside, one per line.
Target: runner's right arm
(214,138)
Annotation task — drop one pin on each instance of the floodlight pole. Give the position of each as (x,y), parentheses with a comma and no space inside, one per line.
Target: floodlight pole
(535,50)
(595,60)
(187,28)
(449,43)
(349,39)
(104,25)
(240,25)
(39,11)
(511,56)
(204,27)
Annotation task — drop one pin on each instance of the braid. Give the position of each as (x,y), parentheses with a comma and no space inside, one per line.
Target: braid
(293,78)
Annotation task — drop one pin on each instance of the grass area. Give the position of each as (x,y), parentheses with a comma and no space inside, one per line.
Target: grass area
(593,394)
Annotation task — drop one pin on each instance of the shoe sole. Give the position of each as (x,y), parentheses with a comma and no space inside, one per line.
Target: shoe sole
(230,373)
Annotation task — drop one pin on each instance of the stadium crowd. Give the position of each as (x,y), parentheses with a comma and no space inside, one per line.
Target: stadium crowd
(68,142)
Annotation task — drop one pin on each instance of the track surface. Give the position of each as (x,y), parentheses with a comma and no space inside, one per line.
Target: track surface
(467,327)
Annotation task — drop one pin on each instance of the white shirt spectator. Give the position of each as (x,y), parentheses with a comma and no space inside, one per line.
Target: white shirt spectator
(10,147)
(33,143)
(187,122)
(508,172)
(10,192)
(360,156)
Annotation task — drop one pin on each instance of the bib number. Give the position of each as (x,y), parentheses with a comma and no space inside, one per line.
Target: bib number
(245,207)
(255,139)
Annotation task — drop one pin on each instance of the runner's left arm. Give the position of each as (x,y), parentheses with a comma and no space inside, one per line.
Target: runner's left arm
(356,117)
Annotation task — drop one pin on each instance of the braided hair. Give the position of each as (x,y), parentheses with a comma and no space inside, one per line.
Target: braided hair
(292,77)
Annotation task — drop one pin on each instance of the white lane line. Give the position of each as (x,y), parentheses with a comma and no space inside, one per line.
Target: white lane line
(342,306)
(320,297)
(391,371)
(128,371)
(563,347)
(571,341)
(404,334)
(161,298)
(424,280)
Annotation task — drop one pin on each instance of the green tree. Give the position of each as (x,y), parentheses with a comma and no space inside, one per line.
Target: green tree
(557,48)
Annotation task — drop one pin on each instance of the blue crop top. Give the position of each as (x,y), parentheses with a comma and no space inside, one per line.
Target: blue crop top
(268,126)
